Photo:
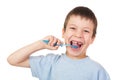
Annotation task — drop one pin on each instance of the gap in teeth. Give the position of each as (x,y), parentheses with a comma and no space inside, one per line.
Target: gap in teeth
(75,43)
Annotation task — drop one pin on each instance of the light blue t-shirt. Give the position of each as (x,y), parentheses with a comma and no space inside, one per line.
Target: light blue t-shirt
(61,67)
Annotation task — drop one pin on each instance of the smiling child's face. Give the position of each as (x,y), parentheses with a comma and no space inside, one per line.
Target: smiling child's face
(78,32)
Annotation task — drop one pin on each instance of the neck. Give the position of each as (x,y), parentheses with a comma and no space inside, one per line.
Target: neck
(77,56)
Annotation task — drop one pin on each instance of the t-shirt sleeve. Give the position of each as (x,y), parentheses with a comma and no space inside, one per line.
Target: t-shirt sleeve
(103,75)
(41,65)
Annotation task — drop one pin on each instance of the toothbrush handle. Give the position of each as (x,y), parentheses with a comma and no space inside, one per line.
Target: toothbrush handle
(73,46)
(47,41)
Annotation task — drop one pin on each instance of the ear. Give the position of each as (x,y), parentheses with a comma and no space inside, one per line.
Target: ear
(63,31)
(92,40)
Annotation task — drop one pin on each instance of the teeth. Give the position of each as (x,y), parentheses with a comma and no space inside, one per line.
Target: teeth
(76,43)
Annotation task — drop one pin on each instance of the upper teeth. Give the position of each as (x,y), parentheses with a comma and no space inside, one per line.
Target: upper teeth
(76,43)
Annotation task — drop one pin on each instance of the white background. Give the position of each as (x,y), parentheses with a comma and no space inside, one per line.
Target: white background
(25,21)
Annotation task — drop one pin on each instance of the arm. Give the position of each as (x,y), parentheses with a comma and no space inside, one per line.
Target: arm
(21,56)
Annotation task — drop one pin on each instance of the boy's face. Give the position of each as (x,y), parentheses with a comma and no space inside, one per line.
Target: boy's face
(79,33)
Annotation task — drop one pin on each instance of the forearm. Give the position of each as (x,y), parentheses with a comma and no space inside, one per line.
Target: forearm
(23,54)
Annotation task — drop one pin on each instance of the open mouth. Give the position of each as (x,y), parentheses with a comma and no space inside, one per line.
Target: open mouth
(76,44)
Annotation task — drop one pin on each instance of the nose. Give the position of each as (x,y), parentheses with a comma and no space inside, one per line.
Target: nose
(79,34)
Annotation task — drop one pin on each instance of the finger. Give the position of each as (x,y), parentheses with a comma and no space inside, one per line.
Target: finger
(54,42)
(59,42)
(51,38)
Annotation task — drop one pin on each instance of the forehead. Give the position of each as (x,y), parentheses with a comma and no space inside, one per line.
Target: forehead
(80,21)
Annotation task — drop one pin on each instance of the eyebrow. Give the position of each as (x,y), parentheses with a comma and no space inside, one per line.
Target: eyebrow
(72,25)
(77,26)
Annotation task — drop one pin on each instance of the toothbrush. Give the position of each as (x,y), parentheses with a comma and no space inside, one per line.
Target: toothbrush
(73,46)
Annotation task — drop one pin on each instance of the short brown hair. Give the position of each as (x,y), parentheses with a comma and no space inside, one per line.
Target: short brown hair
(84,12)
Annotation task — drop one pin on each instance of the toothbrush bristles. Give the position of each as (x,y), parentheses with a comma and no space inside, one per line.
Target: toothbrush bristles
(73,46)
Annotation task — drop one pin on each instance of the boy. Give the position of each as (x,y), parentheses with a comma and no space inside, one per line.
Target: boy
(79,30)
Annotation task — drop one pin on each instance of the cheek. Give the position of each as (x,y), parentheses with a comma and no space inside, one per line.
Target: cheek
(67,36)
(87,39)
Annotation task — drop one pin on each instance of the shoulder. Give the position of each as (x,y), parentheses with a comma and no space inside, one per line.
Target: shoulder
(99,70)
(41,65)
(52,58)
(94,64)
(49,58)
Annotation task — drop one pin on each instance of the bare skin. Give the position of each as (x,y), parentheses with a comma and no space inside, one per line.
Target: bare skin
(21,56)
(78,32)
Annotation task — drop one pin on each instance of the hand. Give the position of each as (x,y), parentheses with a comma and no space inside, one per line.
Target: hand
(52,42)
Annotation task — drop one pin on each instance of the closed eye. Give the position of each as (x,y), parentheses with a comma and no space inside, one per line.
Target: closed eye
(86,31)
(72,28)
